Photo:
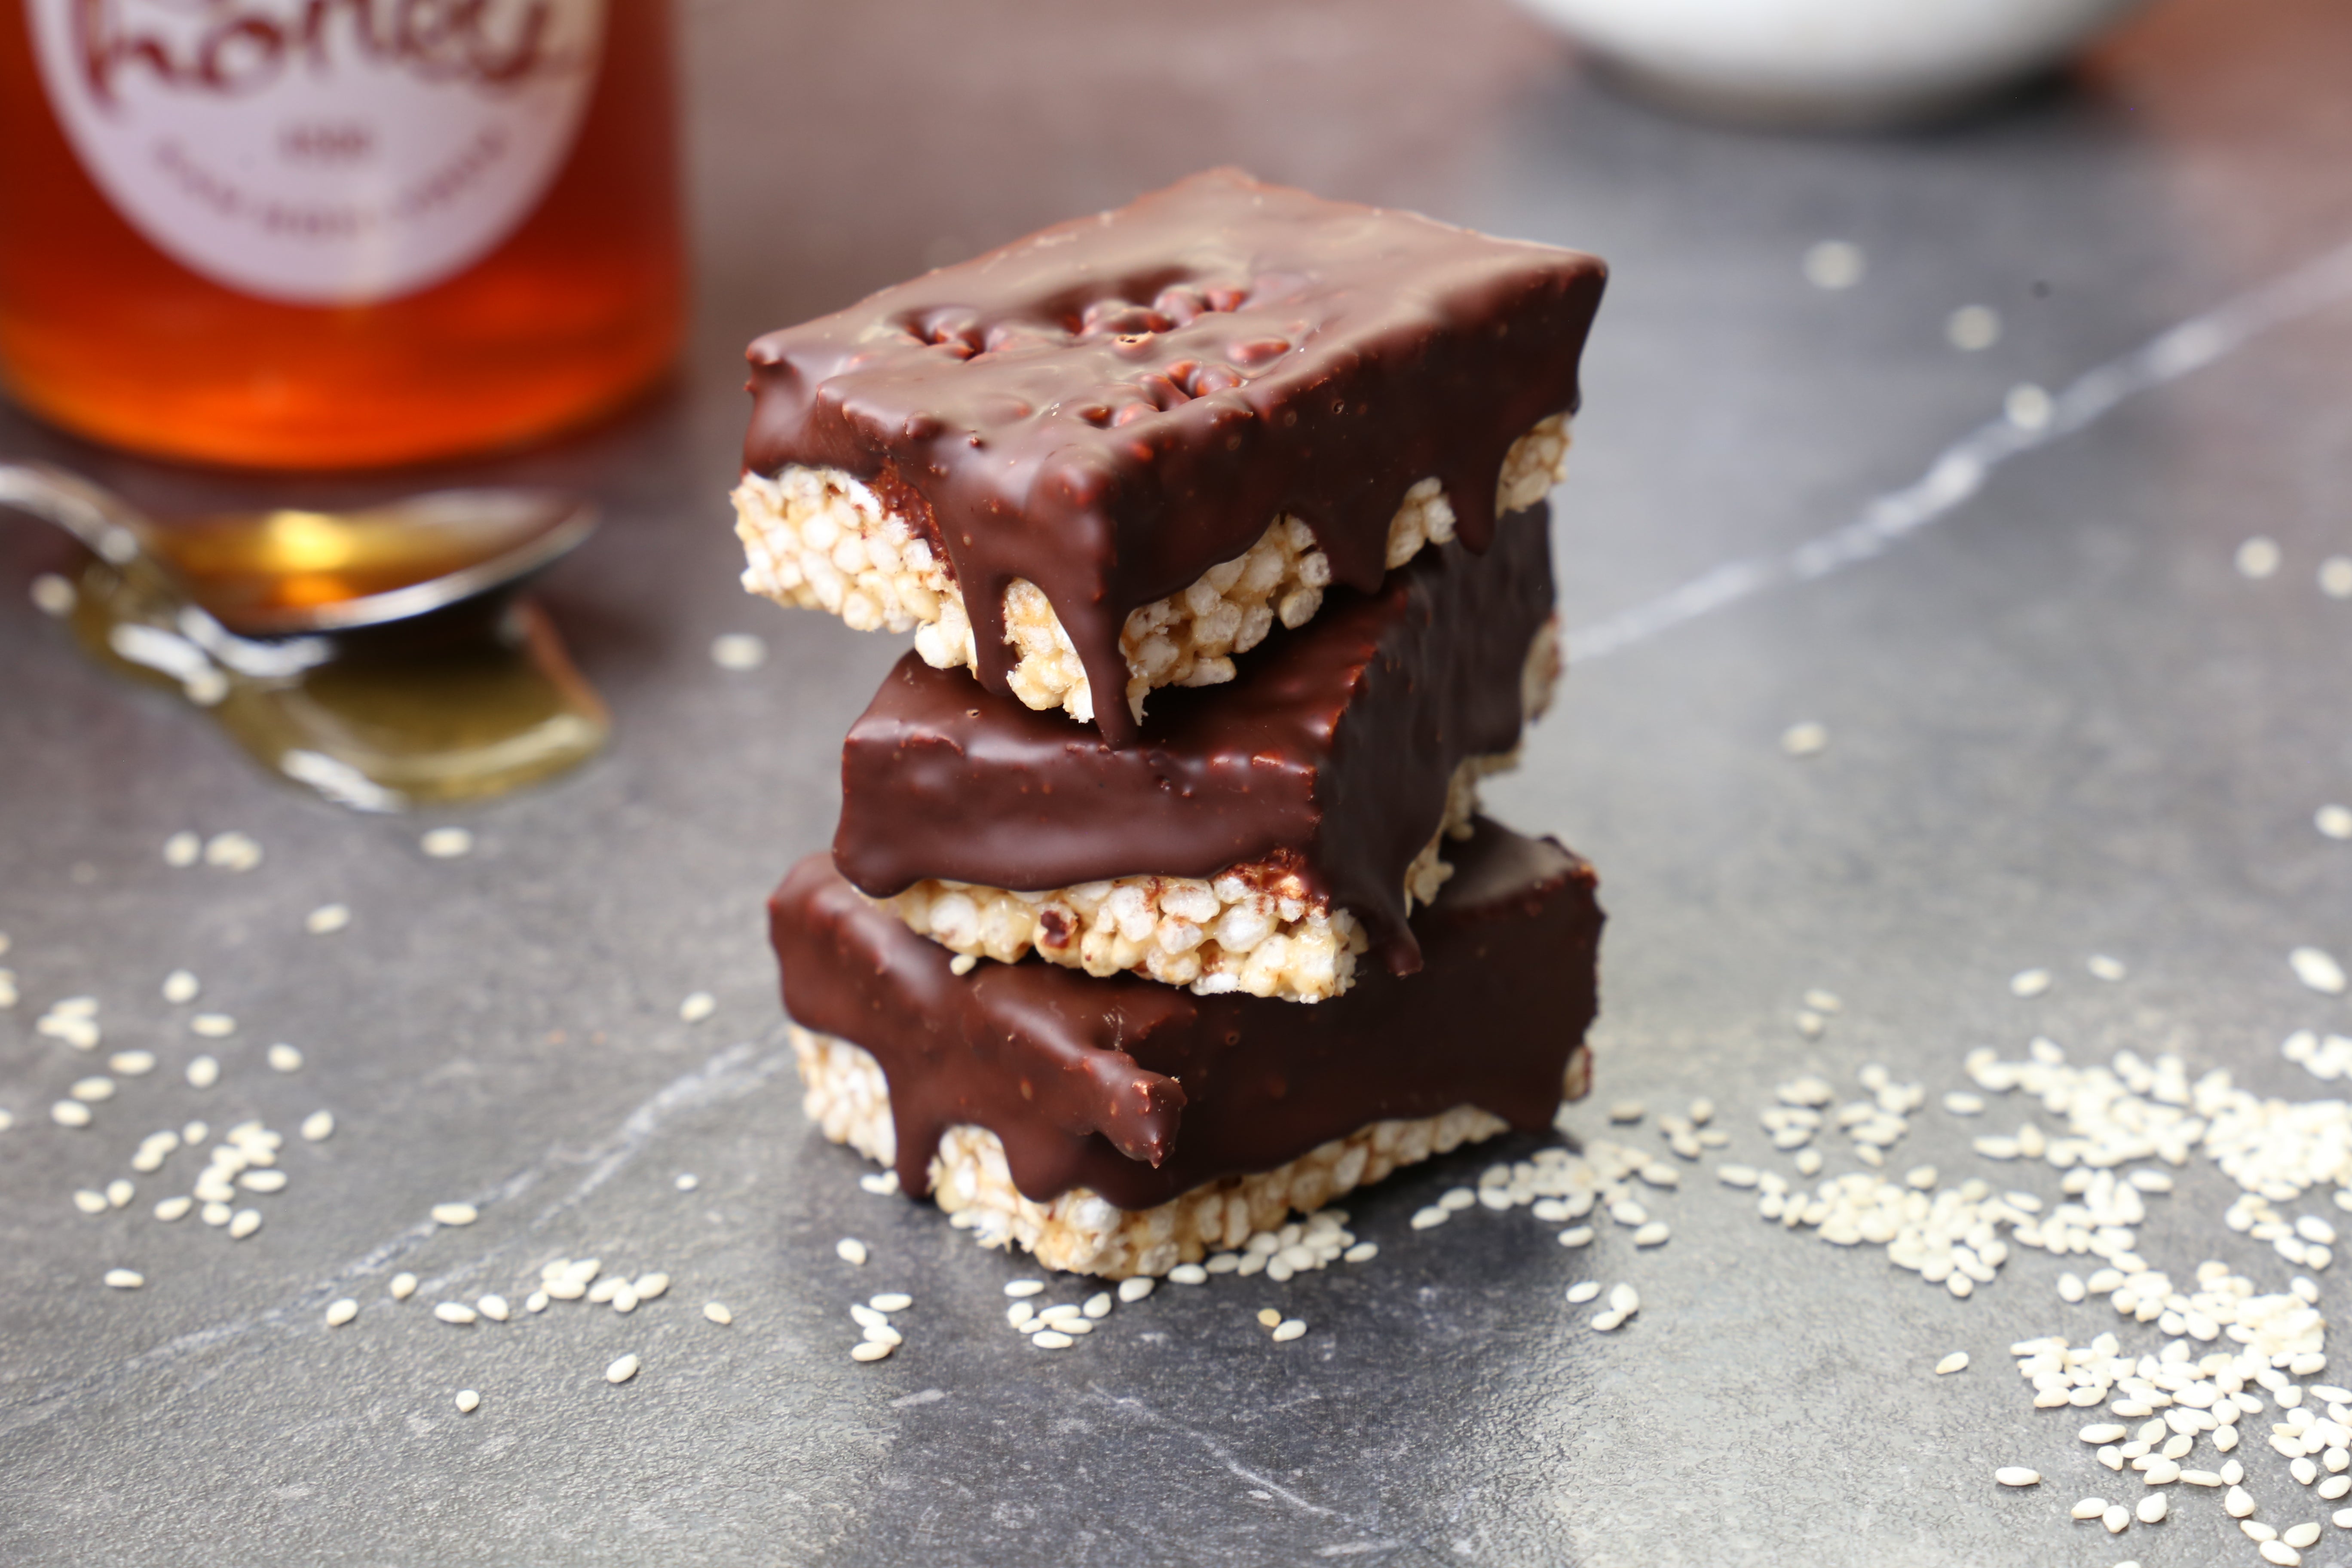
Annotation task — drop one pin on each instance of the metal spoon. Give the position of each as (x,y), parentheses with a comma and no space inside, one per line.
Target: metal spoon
(287,572)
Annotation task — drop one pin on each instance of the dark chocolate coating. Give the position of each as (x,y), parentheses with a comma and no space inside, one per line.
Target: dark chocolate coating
(1141,1092)
(1328,755)
(1115,405)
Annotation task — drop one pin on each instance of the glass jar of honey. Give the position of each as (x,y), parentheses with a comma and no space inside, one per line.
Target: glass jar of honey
(315,233)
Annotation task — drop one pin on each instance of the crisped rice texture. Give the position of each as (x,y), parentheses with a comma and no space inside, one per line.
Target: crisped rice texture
(818,539)
(1254,927)
(1079,1231)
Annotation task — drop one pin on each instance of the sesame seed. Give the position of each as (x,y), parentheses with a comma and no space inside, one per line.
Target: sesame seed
(93,1090)
(718,1313)
(2305,1534)
(232,852)
(1834,264)
(698,1006)
(182,849)
(1737,1175)
(215,1214)
(213,1026)
(1627,1110)
(963,963)
(2334,821)
(267,1181)
(2258,557)
(2343,1518)
(326,920)
(70,1113)
(1050,1340)
(2280,1554)
(1607,1322)
(7,1119)
(124,1279)
(2335,577)
(2153,1507)
(2317,970)
(601,1293)
(1287,1329)
(624,1298)
(1624,1299)
(180,986)
(1583,1290)
(170,1209)
(1973,329)
(1956,1362)
(446,842)
(884,1334)
(318,1127)
(1019,1315)
(2028,406)
(132,1064)
(1654,1234)
(2102,967)
(402,1287)
(2091,1508)
(1808,1161)
(202,1073)
(2017,1476)
(535,1302)
(342,1312)
(2117,1519)
(2201,1478)
(1805,740)
(1422,1219)
(245,1224)
(626,1368)
(285,1057)
(850,1250)
(2236,1503)
(1137,1287)
(1576,1235)
(468,1401)
(738,651)
(89,1202)
(1188,1274)
(687,1181)
(649,1286)
(456,1312)
(2029,983)
(493,1307)
(881,1184)
(454,1214)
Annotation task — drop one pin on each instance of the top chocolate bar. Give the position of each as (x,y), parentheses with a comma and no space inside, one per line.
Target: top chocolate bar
(1106,457)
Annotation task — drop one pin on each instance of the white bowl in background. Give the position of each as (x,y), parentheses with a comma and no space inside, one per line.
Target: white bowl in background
(1828,62)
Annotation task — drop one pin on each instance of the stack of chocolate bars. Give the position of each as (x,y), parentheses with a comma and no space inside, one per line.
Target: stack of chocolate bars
(1160,907)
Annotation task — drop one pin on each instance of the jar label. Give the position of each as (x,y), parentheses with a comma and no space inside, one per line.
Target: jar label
(321,151)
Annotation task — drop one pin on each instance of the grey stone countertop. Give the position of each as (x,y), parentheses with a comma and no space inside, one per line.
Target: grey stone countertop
(2060,722)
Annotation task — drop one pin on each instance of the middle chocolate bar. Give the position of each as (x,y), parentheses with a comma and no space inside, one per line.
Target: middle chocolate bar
(1261,837)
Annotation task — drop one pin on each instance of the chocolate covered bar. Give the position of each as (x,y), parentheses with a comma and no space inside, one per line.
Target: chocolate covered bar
(1116,1127)
(1260,835)
(1106,458)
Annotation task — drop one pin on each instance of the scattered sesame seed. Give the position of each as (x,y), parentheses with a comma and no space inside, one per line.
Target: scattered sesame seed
(1583,1290)
(1806,740)
(124,1279)
(456,1312)
(2305,1534)
(1973,329)
(326,920)
(849,1249)
(963,963)
(245,1224)
(1267,1317)
(262,1181)
(402,1287)
(132,1064)
(738,651)
(215,1214)
(2090,1508)
(1654,1234)
(493,1307)
(170,1209)
(623,1298)
(1422,1219)
(2334,821)
(1737,1175)
(284,1057)
(232,852)
(446,842)
(2156,1505)
(1045,1340)
(92,1089)
(687,1181)
(2236,1503)
(1808,1161)
(2017,1476)
(7,1119)
(342,1312)
(53,596)
(2102,967)
(698,1006)
(70,1113)
(180,986)
(1137,1287)
(204,1072)
(2335,577)
(2029,983)
(2317,970)
(718,1313)
(1810,1024)
(1574,1236)
(454,1214)
(2258,557)
(468,1401)
(1627,1110)
(213,1026)
(1956,1362)
(881,1184)
(1188,1274)
(318,1127)
(536,1302)
(1287,1329)
(2028,406)
(1834,264)
(182,849)
(888,1301)
(1608,1322)
(2280,1554)
(649,1286)
(626,1368)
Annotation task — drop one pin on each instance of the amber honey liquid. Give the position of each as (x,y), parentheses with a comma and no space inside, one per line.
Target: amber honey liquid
(104,331)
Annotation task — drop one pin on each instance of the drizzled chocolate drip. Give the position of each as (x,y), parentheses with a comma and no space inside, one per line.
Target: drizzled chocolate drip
(1113,406)
(1141,1092)
(1329,755)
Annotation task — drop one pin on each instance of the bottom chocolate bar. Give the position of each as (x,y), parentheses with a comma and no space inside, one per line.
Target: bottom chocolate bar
(1115,1126)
